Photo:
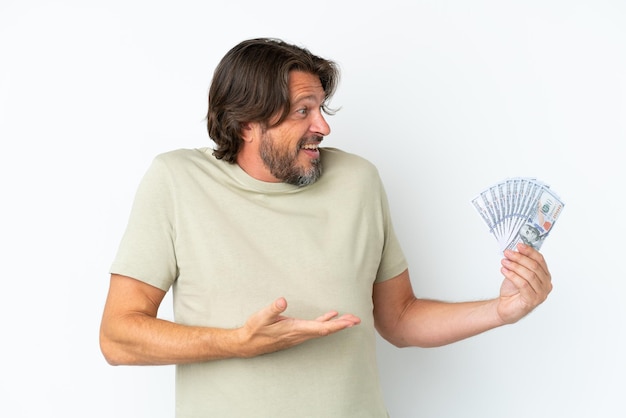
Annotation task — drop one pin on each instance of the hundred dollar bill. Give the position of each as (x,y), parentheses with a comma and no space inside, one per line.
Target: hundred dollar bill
(518,209)
(530,194)
(544,212)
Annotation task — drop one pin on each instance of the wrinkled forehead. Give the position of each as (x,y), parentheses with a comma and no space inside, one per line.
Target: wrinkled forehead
(304,86)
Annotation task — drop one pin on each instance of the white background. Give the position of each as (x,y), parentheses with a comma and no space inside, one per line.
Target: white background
(445,97)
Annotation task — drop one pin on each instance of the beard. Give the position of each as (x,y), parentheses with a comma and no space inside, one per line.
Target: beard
(283,163)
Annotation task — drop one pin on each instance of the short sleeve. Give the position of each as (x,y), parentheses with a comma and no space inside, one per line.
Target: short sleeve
(146,251)
(393,262)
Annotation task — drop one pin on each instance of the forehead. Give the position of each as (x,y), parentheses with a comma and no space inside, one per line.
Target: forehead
(305,86)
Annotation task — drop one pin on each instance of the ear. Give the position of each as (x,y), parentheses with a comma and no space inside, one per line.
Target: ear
(249,131)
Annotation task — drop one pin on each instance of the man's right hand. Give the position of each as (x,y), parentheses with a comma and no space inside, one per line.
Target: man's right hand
(268,330)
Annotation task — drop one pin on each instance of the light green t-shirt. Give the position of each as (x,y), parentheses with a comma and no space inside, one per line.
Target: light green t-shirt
(228,245)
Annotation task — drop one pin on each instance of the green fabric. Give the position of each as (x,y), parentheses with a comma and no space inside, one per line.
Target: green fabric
(229,245)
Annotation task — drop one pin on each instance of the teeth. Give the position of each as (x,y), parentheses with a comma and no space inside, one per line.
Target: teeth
(310,146)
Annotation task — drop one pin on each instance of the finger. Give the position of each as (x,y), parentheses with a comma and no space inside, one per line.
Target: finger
(353,319)
(532,292)
(279,306)
(535,255)
(348,319)
(526,255)
(273,312)
(327,316)
(529,264)
(521,283)
(337,324)
(526,279)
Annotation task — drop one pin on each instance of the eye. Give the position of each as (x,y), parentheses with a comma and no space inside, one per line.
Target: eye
(302,111)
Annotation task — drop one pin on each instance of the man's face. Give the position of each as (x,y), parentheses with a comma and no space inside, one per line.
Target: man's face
(290,151)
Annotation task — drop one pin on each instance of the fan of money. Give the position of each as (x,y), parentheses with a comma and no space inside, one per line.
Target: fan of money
(519,209)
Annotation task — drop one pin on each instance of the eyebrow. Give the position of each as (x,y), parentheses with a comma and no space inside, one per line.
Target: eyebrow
(308,98)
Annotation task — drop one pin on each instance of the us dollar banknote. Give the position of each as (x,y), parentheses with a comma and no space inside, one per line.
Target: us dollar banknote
(519,209)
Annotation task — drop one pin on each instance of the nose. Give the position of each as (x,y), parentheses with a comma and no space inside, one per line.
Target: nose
(320,126)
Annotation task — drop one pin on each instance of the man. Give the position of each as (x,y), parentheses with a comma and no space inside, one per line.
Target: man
(270,218)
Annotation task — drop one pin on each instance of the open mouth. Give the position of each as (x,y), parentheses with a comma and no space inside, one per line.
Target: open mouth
(311,149)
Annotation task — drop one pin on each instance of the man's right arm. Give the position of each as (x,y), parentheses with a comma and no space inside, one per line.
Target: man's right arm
(131,333)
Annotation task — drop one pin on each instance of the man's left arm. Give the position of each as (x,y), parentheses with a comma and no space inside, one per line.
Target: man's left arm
(405,320)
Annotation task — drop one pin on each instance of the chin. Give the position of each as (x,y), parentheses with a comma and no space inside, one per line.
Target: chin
(307,176)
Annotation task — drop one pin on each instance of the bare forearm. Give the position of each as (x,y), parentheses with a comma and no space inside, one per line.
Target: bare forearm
(405,320)
(139,339)
(428,323)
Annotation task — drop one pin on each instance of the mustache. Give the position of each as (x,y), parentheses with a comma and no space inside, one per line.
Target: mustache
(308,139)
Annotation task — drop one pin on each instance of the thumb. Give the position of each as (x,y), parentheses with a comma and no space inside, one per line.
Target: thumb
(279,306)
